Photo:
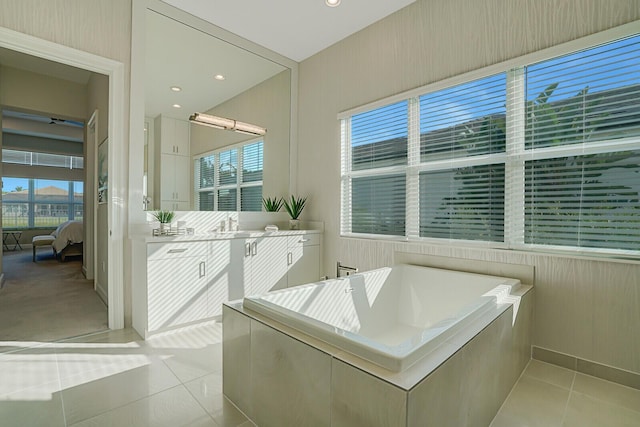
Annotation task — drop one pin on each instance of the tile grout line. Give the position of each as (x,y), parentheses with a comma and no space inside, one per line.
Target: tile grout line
(200,404)
(566,406)
(511,391)
(64,411)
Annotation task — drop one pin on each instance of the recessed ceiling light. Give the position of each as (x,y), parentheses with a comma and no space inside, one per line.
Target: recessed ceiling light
(218,77)
(176,88)
(177,106)
(332,3)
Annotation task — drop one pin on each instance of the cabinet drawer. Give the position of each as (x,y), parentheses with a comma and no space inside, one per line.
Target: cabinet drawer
(304,240)
(175,250)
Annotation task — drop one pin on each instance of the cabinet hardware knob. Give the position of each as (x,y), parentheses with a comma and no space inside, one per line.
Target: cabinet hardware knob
(289,258)
(254,249)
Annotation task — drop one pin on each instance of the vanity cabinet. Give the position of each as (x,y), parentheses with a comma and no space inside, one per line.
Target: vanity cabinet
(303,259)
(265,264)
(177,284)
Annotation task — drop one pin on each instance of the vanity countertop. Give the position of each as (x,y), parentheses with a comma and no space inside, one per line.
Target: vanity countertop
(242,234)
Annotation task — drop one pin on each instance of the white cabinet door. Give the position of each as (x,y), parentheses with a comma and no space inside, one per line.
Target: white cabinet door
(174,136)
(303,259)
(182,175)
(305,265)
(268,264)
(168,177)
(167,135)
(181,138)
(177,284)
(219,276)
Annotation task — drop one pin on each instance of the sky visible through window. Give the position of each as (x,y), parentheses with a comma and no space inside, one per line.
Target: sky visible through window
(597,69)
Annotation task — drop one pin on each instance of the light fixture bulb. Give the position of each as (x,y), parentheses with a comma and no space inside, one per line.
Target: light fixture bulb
(219,77)
(176,88)
(332,3)
(177,106)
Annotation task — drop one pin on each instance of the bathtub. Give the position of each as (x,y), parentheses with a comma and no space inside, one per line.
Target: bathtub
(391,316)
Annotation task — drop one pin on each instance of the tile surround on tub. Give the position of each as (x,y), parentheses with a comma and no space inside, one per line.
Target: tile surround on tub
(392,399)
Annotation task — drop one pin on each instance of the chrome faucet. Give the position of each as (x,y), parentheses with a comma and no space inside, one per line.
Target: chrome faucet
(348,271)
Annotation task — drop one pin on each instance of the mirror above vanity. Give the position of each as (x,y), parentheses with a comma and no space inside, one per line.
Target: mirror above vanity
(192,66)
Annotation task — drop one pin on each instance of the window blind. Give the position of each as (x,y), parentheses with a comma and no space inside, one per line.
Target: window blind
(251,198)
(227,199)
(544,155)
(379,137)
(586,104)
(252,160)
(378,205)
(583,97)
(463,203)
(464,120)
(228,167)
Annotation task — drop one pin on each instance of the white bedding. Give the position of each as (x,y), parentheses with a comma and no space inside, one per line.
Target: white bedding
(66,233)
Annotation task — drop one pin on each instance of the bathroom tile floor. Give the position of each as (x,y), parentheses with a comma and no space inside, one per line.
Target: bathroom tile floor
(548,395)
(175,379)
(117,379)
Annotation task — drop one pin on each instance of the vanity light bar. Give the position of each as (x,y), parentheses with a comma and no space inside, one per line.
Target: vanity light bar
(227,124)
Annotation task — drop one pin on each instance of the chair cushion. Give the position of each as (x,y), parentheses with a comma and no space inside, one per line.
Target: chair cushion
(42,240)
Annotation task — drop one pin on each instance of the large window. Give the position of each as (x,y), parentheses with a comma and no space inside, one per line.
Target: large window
(543,155)
(40,203)
(230,179)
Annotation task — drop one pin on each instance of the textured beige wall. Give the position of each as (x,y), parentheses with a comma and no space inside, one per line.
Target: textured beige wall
(101,27)
(584,308)
(43,94)
(267,105)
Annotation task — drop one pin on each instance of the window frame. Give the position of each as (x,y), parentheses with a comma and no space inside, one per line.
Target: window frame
(238,185)
(514,157)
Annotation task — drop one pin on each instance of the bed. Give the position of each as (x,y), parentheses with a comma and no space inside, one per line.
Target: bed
(68,239)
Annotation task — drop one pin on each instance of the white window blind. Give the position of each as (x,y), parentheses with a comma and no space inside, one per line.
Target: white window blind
(230,179)
(582,168)
(462,123)
(546,155)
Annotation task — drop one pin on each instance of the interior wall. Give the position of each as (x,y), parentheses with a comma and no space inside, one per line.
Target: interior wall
(36,92)
(95,26)
(267,105)
(97,99)
(584,308)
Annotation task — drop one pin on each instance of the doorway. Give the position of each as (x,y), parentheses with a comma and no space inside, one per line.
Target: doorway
(116,203)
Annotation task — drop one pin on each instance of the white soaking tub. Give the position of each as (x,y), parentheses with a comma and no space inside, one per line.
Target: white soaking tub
(391,316)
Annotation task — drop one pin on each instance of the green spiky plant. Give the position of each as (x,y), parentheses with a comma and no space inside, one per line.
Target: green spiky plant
(294,206)
(272,204)
(164,217)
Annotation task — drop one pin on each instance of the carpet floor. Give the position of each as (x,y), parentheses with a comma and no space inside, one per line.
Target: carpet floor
(47,300)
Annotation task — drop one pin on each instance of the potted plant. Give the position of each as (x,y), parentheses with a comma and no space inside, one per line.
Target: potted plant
(294,207)
(165,218)
(272,204)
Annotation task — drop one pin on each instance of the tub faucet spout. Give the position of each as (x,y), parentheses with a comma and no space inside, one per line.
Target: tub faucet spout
(348,271)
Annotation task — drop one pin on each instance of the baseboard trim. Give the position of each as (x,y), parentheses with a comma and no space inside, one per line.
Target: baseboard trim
(102,294)
(599,370)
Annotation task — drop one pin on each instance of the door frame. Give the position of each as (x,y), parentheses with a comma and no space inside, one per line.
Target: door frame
(117,203)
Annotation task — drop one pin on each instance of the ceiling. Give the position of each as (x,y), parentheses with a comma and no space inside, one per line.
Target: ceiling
(296,29)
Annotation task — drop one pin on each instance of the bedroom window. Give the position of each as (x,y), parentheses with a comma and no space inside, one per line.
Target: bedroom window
(545,155)
(40,203)
(230,179)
